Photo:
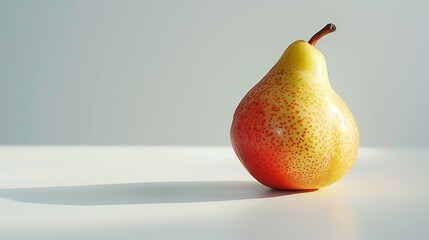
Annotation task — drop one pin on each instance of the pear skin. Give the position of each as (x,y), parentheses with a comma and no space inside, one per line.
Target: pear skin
(292,131)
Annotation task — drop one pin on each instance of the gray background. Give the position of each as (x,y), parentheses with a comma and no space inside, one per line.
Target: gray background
(172,72)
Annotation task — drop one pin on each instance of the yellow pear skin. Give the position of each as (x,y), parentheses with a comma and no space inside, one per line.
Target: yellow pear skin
(292,131)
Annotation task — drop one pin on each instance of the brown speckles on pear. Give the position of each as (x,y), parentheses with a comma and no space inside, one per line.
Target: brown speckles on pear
(292,131)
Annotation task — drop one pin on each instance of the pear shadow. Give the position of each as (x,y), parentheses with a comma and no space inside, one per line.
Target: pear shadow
(144,193)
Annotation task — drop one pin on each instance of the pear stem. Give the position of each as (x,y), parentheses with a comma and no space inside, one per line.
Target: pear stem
(330,27)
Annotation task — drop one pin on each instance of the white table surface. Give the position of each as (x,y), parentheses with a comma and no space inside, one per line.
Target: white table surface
(202,193)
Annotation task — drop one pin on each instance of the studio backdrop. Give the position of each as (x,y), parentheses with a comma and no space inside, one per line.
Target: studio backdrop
(173,72)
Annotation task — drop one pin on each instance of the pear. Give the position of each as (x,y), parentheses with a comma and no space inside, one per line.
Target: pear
(292,131)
